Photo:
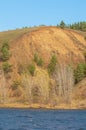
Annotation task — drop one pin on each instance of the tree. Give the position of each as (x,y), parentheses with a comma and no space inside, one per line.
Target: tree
(79,26)
(3,87)
(80,72)
(15,84)
(52,64)
(31,69)
(7,67)
(5,55)
(21,69)
(39,61)
(64,77)
(36,57)
(62,24)
(85,37)
(84,55)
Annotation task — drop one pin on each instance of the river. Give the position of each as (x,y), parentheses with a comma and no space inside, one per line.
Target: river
(42,119)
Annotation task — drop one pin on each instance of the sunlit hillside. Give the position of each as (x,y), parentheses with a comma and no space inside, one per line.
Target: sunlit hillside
(37,67)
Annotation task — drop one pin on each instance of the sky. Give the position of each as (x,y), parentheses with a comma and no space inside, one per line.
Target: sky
(20,13)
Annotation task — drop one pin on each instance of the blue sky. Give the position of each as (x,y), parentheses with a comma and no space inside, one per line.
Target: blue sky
(19,13)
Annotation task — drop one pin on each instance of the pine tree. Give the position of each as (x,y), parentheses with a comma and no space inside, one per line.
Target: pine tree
(62,24)
(52,64)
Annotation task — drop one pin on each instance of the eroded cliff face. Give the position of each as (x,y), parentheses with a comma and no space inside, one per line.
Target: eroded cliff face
(18,86)
(66,44)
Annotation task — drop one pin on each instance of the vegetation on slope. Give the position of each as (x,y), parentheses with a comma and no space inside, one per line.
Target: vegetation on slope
(35,74)
(76,26)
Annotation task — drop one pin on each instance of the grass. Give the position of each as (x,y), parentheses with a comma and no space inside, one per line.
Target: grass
(11,35)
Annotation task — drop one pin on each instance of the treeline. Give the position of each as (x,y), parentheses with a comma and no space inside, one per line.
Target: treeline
(79,26)
(76,26)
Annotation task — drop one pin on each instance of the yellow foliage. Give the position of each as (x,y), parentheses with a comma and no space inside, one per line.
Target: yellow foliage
(37,86)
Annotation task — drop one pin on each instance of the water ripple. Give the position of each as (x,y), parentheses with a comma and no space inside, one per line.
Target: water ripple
(24,119)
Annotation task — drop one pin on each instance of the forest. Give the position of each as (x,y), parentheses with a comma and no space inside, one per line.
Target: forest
(76,26)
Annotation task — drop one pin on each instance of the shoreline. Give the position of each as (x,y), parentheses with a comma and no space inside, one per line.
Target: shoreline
(43,106)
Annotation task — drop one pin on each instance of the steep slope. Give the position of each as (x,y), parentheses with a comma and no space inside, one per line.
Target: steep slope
(79,94)
(45,41)
(17,87)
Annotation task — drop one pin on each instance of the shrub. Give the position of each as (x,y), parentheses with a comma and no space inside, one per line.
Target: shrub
(5,55)
(80,72)
(84,55)
(5,45)
(40,62)
(31,69)
(7,67)
(52,64)
(36,57)
(21,69)
(85,37)
(15,84)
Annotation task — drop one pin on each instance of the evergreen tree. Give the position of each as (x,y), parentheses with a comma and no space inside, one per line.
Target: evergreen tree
(36,57)
(31,69)
(37,60)
(4,54)
(40,62)
(80,72)
(62,24)
(52,64)
(79,26)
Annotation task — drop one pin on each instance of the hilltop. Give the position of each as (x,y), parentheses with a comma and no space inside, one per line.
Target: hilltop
(22,86)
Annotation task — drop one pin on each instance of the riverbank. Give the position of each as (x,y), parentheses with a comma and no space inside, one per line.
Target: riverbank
(42,106)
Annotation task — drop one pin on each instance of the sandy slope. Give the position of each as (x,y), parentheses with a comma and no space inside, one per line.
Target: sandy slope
(45,41)
(68,45)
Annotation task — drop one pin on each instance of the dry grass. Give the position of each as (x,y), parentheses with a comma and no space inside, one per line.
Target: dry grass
(12,35)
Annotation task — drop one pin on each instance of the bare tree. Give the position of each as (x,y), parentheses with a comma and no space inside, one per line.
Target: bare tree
(27,84)
(64,81)
(3,88)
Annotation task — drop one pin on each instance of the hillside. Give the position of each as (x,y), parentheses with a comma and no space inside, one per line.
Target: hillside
(79,94)
(18,86)
(50,40)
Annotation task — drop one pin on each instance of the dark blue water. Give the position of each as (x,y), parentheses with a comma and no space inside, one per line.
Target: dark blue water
(39,119)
